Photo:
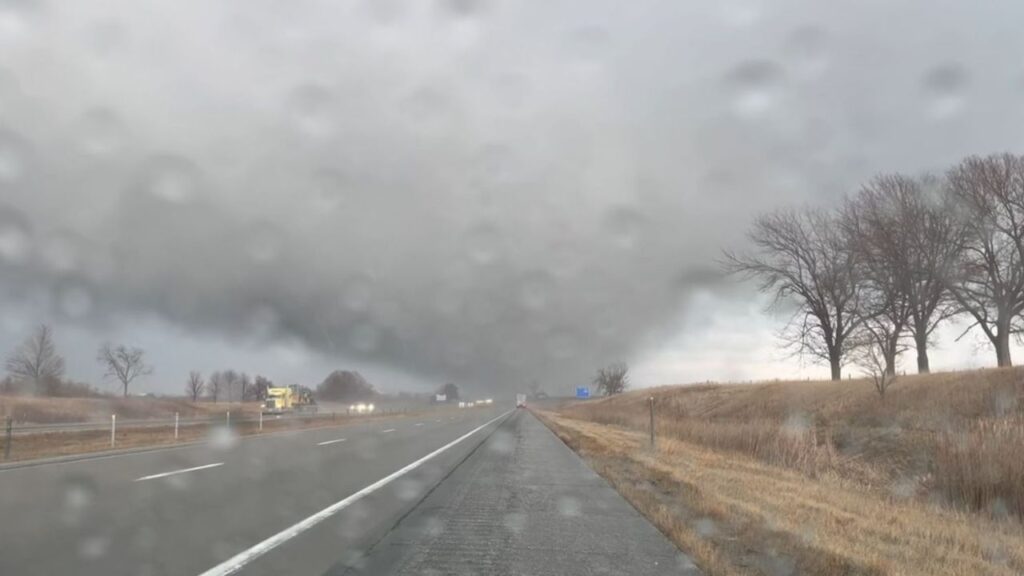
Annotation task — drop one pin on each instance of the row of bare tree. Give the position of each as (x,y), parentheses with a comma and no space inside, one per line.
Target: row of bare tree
(228,385)
(37,363)
(880,273)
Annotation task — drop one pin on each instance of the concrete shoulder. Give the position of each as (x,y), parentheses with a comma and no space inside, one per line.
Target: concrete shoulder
(523,503)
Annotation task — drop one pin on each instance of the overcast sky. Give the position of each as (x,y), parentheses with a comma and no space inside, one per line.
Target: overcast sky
(482,191)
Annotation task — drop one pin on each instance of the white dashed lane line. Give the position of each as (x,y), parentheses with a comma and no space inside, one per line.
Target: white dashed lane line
(326,442)
(419,423)
(388,430)
(182,471)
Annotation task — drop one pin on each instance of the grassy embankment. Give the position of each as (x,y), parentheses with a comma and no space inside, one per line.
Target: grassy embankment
(823,477)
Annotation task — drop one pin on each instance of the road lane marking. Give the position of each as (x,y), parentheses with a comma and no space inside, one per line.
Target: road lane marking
(438,420)
(388,430)
(240,560)
(182,471)
(326,442)
(419,423)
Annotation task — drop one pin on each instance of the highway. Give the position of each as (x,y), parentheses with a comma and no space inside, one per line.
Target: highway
(318,501)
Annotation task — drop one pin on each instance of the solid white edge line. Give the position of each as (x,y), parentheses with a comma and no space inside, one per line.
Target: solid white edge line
(388,430)
(182,471)
(238,561)
(326,442)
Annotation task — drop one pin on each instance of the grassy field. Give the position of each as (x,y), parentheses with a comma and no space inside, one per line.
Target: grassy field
(47,410)
(823,477)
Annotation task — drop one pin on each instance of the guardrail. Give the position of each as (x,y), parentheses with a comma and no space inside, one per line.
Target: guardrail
(12,429)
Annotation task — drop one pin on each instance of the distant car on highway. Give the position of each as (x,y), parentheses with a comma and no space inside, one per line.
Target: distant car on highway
(520,400)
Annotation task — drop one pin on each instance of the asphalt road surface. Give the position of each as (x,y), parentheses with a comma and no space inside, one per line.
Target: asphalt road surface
(332,500)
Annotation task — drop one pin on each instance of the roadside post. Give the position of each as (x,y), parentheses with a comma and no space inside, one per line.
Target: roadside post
(175,425)
(651,399)
(113,430)
(227,418)
(261,420)
(8,437)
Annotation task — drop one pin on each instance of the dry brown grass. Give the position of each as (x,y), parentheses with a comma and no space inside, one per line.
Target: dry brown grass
(49,410)
(50,444)
(738,515)
(949,434)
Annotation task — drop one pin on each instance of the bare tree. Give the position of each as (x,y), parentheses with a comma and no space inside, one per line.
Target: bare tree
(612,379)
(872,359)
(988,282)
(123,363)
(195,385)
(230,381)
(36,360)
(804,257)
(215,385)
(260,387)
(908,240)
(246,384)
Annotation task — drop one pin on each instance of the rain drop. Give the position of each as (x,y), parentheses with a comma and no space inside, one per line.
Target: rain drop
(805,50)
(74,301)
(357,294)
(706,527)
(100,132)
(365,337)
(568,506)
(515,522)
(755,87)
(535,291)
(15,237)
(311,108)
(624,225)
(93,547)
(482,244)
(943,87)
(222,438)
(60,252)
(265,243)
(13,158)
(171,178)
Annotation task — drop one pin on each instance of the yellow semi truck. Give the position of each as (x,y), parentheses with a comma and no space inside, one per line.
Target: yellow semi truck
(287,399)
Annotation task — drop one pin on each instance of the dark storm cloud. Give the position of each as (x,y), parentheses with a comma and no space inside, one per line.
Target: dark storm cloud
(468,189)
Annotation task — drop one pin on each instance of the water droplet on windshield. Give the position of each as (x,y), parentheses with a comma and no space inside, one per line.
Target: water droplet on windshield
(222,438)
(943,87)
(535,290)
(568,506)
(15,237)
(365,337)
(463,8)
(706,527)
(755,87)
(100,132)
(805,50)
(60,252)
(624,225)
(357,294)
(312,110)
(74,300)
(13,158)
(171,178)
(93,547)
(265,243)
(515,522)
(482,244)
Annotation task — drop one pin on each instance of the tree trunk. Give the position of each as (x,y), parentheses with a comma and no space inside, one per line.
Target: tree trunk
(1002,344)
(921,340)
(125,389)
(836,367)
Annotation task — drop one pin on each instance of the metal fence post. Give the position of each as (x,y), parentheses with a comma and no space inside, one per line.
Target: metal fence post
(175,425)
(113,430)
(652,420)
(7,442)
